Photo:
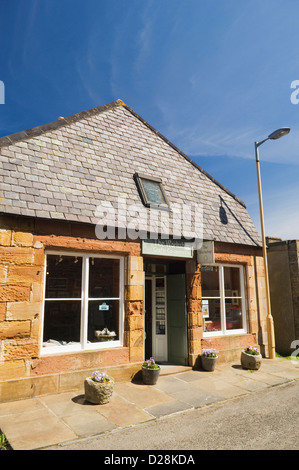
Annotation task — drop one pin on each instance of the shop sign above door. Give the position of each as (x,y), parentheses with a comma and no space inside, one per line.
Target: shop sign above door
(168,247)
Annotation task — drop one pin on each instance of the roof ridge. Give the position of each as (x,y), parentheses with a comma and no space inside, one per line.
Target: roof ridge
(62,121)
(59,122)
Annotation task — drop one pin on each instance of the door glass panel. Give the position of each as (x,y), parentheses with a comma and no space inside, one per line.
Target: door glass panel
(160,306)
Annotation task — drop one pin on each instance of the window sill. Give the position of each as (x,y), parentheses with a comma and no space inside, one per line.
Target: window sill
(49,350)
(208,334)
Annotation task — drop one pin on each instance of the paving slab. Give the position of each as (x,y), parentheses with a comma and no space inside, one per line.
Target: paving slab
(171,384)
(64,404)
(123,413)
(84,423)
(141,395)
(164,409)
(196,397)
(191,376)
(27,430)
(219,388)
(269,379)
(251,385)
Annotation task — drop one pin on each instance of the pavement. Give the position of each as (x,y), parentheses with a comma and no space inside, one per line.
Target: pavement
(56,421)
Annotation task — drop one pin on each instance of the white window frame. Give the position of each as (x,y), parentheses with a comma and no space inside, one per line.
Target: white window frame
(84,345)
(222,298)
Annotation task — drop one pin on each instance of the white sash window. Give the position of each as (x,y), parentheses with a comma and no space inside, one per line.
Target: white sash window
(83,302)
(223,299)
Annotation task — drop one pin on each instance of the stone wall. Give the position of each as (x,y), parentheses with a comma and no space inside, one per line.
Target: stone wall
(229,347)
(21,278)
(283,261)
(194,311)
(22,256)
(25,372)
(294,274)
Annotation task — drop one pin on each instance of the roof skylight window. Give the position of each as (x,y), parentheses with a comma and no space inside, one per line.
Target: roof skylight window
(151,191)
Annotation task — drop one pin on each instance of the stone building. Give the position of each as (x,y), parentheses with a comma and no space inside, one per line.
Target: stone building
(85,285)
(283,262)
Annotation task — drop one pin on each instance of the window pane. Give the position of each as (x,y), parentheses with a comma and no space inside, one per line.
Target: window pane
(210,281)
(160,306)
(234,318)
(103,277)
(153,192)
(64,277)
(232,282)
(103,320)
(62,322)
(211,314)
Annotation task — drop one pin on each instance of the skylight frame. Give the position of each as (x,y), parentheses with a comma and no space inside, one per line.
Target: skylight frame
(139,177)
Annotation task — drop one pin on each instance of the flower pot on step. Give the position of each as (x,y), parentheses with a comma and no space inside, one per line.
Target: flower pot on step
(250,361)
(150,376)
(98,392)
(208,363)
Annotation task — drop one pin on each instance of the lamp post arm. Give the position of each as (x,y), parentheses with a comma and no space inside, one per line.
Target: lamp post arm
(257,144)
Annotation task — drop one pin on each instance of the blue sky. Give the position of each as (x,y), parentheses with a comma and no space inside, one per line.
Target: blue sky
(213,76)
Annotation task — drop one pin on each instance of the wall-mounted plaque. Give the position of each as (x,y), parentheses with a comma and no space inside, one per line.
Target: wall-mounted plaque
(170,248)
(205,255)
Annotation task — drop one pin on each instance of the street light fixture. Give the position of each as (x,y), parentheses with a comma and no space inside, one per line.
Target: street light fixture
(270,323)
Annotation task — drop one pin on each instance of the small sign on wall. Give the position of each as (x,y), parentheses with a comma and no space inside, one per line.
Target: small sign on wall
(205,255)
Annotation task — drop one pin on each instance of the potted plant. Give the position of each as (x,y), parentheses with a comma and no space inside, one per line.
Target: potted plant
(98,388)
(150,371)
(251,358)
(208,359)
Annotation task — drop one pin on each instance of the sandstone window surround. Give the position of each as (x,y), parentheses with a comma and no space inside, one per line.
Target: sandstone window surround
(223,299)
(83,306)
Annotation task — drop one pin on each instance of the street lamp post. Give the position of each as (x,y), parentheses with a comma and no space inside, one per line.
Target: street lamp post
(270,323)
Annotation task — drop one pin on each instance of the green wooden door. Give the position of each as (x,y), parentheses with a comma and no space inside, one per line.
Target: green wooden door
(177,319)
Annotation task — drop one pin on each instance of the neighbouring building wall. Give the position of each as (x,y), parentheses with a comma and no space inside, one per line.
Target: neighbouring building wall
(283,264)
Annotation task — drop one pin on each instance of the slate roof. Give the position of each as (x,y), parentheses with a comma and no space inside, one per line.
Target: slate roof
(67,169)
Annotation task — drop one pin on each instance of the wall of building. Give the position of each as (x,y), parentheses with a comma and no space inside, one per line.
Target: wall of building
(230,346)
(22,256)
(283,262)
(25,373)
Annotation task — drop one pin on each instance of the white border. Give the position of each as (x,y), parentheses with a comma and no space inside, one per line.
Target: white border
(84,346)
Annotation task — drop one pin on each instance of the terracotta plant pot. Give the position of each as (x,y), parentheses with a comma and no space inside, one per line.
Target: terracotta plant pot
(98,393)
(208,363)
(150,376)
(251,361)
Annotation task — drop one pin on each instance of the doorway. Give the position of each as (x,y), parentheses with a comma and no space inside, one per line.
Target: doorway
(165,315)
